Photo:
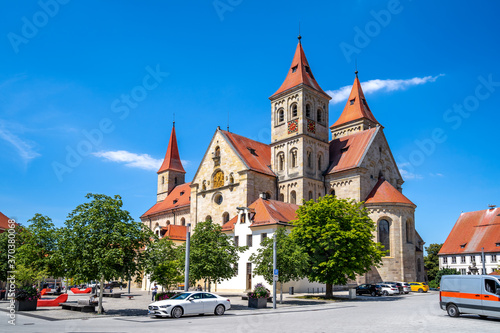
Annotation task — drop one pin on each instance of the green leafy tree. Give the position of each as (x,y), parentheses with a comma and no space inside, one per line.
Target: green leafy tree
(337,236)
(435,283)
(291,261)
(36,245)
(102,242)
(4,256)
(213,255)
(163,263)
(431,260)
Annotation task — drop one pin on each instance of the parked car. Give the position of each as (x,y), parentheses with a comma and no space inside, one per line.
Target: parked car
(389,289)
(115,284)
(190,303)
(397,284)
(420,287)
(370,289)
(406,287)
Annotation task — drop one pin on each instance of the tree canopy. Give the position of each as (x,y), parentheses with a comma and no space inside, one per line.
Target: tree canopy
(163,262)
(36,245)
(213,255)
(336,234)
(431,260)
(291,261)
(101,241)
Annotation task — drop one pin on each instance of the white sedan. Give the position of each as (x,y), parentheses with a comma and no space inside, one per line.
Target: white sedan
(197,302)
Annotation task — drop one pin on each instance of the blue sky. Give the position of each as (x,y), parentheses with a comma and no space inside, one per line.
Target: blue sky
(430,71)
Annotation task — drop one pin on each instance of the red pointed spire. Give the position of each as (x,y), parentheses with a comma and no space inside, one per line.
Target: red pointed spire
(172,160)
(299,73)
(356,106)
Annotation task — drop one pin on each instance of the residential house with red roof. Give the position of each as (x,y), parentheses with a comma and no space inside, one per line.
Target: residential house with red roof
(239,178)
(473,233)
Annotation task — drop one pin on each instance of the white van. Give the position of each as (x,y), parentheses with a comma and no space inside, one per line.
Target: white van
(475,294)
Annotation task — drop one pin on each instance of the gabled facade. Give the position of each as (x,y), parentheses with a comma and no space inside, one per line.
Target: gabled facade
(473,233)
(239,176)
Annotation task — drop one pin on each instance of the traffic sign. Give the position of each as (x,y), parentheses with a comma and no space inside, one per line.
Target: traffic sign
(276,271)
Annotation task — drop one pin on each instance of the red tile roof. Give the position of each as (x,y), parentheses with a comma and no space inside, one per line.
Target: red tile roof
(384,192)
(172,160)
(169,204)
(357,110)
(347,152)
(497,272)
(256,155)
(267,212)
(4,225)
(473,231)
(273,212)
(300,73)
(175,232)
(229,225)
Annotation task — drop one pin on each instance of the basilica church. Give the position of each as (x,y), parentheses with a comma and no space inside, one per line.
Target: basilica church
(252,188)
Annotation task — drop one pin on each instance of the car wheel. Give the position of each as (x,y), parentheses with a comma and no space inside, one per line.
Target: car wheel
(385,293)
(420,290)
(373,294)
(452,310)
(176,312)
(219,310)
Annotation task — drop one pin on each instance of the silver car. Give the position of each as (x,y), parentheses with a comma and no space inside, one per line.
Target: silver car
(389,289)
(190,303)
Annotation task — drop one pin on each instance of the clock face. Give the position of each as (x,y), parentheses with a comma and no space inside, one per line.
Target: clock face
(293,126)
(311,126)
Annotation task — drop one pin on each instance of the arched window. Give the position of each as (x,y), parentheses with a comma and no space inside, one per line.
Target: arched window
(294,110)
(175,180)
(308,110)
(293,158)
(281,115)
(268,195)
(208,218)
(281,162)
(332,192)
(293,197)
(383,235)
(309,159)
(310,195)
(217,151)
(218,179)
(320,158)
(162,179)
(408,231)
(319,116)
(319,194)
(183,221)
(282,197)
(204,186)
(231,178)
(225,217)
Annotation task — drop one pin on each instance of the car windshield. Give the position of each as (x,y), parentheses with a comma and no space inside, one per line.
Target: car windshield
(181,296)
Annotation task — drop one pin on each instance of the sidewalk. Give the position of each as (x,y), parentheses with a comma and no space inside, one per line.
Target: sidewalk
(137,306)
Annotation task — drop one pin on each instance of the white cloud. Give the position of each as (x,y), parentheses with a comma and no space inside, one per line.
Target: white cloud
(142,161)
(407,175)
(372,86)
(24,148)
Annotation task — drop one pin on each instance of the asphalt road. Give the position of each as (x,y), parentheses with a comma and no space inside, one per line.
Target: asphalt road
(409,313)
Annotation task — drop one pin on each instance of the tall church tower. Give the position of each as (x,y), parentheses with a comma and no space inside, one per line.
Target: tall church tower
(171,172)
(356,116)
(299,133)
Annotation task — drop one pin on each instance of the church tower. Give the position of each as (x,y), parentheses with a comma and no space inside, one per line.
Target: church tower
(356,116)
(299,133)
(171,172)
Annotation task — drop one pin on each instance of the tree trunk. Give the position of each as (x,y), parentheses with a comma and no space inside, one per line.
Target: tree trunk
(329,290)
(281,292)
(101,289)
